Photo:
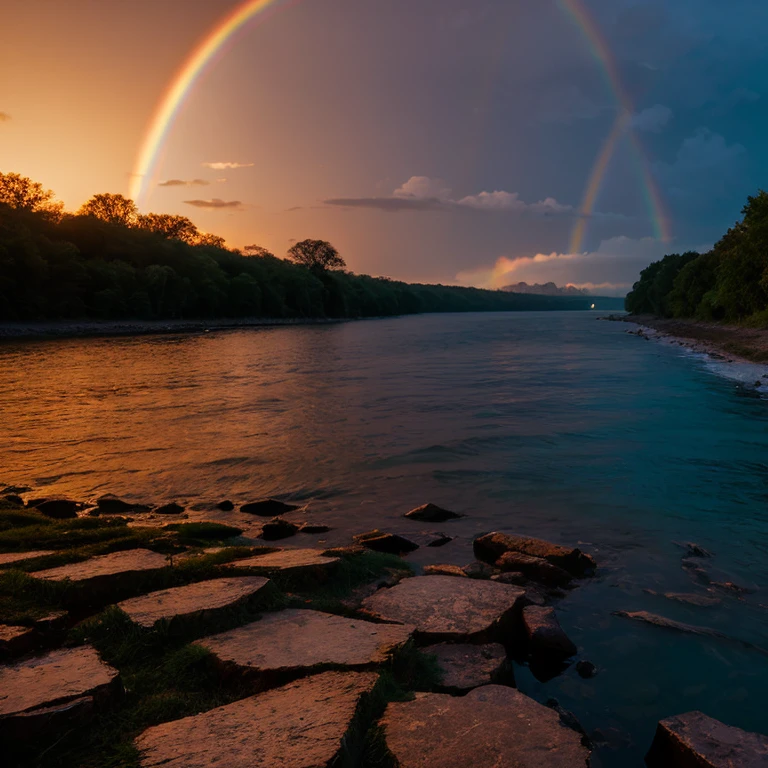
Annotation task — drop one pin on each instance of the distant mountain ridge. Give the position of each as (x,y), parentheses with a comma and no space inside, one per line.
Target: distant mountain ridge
(546,289)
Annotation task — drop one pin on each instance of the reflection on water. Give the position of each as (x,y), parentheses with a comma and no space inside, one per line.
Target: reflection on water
(551,424)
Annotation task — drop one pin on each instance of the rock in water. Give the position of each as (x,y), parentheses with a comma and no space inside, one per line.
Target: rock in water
(545,635)
(169,509)
(112,505)
(58,508)
(186,602)
(277,529)
(586,669)
(295,640)
(490,726)
(314,528)
(267,508)
(307,724)
(225,506)
(431,513)
(536,568)
(493,545)
(444,608)
(444,570)
(44,694)
(697,741)
(391,543)
(465,667)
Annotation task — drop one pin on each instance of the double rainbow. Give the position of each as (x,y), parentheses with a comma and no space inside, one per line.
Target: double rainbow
(214,43)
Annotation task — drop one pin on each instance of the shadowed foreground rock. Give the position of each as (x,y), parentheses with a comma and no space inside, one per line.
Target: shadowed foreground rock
(300,563)
(16,640)
(307,724)
(431,513)
(694,740)
(493,545)
(391,543)
(60,689)
(446,608)
(465,667)
(292,641)
(106,572)
(545,635)
(490,726)
(192,600)
(536,568)
(58,508)
(268,508)
(7,558)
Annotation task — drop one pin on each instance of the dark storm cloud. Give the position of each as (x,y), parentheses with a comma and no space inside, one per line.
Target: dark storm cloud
(183,183)
(216,203)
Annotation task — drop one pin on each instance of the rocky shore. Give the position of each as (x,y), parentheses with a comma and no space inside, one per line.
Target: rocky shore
(183,644)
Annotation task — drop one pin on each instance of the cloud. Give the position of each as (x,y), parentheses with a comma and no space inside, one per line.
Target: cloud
(421,193)
(613,267)
(215,203)
(221,166)
(4,117)
(652,120)
(182,183)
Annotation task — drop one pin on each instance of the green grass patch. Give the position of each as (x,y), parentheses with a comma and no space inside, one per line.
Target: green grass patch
(24,599)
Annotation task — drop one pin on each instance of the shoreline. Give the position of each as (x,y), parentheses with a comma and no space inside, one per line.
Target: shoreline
(72,329)
(725,343)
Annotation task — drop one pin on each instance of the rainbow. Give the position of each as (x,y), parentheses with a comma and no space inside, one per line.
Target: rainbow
(178,90)
(609,66)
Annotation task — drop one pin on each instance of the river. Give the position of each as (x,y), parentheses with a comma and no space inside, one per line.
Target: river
(550,424)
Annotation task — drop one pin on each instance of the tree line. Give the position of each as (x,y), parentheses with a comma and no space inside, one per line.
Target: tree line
(108,261)
(728,283)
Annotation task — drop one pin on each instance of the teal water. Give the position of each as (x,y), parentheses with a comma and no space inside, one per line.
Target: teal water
(550,424)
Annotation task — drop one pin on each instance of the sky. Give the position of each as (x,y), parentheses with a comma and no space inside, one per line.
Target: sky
(446,141)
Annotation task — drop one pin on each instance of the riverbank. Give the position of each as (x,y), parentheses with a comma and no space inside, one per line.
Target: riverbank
(730,343)
(70,329)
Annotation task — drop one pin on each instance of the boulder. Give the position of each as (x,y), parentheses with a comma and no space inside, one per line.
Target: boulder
(444,570)
(314,528)
(59,509)
(7,558)
(287,643)
(390,543)
(168,509)
(102,575)
(535,568)
(478,570)
(112,505)
(277,529)
(16,489)
(14,641)
(267,508)
(490,726)
(586,669)
(431,513)
(689,598)
(510,577)
(444,608)
(193,600)
(438,540)
(225,506)
(296,563)
(694,740)
(44,694)
(309,723)
(464,667)
(545,635)
(351,550)
(493,545)
(14,499)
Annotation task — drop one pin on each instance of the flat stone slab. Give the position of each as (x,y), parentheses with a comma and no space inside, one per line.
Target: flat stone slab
(465,667)
(305,724)
(288,641)
(16,640)
(107,567)
(490,726)
(693,739)
(17,557)
(34,691)
(192,599)
(445,607)
(545,635)
(293,562)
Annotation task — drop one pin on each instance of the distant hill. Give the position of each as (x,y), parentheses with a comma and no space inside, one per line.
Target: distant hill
(547,289)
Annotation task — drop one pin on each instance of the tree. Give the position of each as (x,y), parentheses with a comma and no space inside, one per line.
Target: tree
(212,241)
(316,254)
(168,225)
(111,208)
(24,194)
(256,251)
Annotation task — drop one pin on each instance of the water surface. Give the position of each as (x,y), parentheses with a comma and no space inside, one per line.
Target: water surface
(551,424)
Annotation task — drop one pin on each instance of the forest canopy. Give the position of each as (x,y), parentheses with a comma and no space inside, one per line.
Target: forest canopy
(108,261)
(728,283)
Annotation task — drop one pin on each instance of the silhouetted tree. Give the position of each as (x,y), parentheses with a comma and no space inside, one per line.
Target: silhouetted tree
(316,254)
(257,251)
(114,209)
(22,193)
(214,241)
(168,225)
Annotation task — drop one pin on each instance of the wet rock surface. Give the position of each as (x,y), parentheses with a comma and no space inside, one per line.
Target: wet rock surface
(306,724)
(277,529)
(689,598)
(35,692)
(112,505)
(464,667)
(440,569)
(168,509)
(292,562)
(694,740)
(431,513)
(268,508)
(545,635)
(490,726)
(447,608)
(536,568)
(192,600)
(295,640)
(390,543)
